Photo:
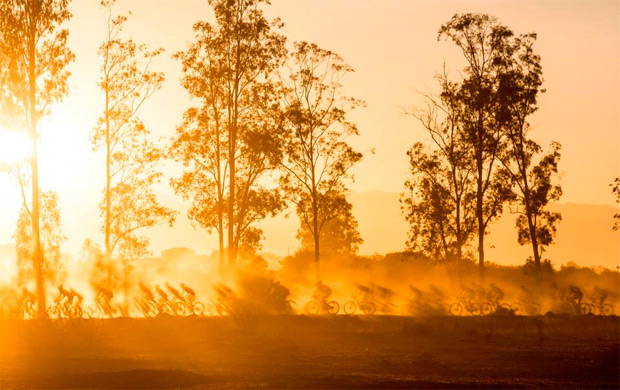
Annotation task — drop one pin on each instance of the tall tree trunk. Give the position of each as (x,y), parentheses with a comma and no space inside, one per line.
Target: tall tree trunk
(232,258)
(220,195)
(108,197)
(317,248)
(220,233)
(530,219)
(37,254)
(480,217)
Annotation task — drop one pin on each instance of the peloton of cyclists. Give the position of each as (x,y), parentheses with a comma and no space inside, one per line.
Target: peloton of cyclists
(69,299)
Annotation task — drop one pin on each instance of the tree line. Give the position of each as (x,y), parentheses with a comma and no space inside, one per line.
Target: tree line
(268,127)
(481,157)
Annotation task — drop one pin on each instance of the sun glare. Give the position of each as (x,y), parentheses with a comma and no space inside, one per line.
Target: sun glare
(14,147)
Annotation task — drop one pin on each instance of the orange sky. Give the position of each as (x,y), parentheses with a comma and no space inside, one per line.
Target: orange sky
(393,47)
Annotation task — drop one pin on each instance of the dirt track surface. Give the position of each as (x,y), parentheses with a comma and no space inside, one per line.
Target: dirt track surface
(312,352)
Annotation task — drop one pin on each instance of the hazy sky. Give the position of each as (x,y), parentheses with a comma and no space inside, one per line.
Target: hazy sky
(394,49)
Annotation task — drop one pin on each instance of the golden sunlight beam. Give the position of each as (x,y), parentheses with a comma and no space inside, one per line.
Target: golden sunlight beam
(14,147)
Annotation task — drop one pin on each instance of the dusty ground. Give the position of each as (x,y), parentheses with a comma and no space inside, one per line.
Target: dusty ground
(318,352)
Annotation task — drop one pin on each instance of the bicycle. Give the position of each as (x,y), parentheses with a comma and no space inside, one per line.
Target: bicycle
(98,311)
(366,306)
(144,307)
(186,307)
(58,311)
(496,308)
(573,308)
(314,307)
(167,306)
(463,304)
(603,309)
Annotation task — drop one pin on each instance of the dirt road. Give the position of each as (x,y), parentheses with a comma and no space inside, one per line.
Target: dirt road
(312,352)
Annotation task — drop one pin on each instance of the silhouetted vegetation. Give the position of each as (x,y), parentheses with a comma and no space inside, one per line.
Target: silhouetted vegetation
(482,156)
(317,158)
(35,56)
(131,158)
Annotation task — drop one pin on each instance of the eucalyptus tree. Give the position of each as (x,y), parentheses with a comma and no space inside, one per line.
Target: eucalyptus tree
(439,197)
(534,177)
(35,55)
(228,142)
(131,158)
(317,158)
(485,44)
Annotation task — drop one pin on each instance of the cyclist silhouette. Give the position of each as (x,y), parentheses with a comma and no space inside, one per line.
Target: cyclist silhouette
(321,294)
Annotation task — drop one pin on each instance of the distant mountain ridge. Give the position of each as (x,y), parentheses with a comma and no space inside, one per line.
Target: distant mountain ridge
(584,236)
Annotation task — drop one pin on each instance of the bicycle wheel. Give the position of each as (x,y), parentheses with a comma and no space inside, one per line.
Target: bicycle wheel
(505,308)
(369,308)
(198,308)
(312,307)
(333,307)
(474,309)
(349,307)
(518,308)
(607,310)
(485,308)
(585,309)
(456,309)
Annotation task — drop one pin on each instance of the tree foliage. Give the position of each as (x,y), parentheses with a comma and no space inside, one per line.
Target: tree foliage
(487,47)
(317,158)
(51,241)
(439,197)
(129,202)
(228,143)
(532,177)
(339,234)
(34,57)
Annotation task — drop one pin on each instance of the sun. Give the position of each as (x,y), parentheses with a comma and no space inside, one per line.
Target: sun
(14,147)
